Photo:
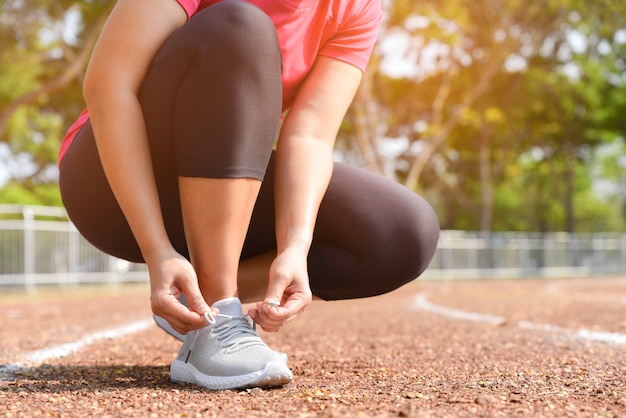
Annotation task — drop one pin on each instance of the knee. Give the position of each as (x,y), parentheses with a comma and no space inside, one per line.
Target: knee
(244,16)
(237,24)
(420,237)
(403,240)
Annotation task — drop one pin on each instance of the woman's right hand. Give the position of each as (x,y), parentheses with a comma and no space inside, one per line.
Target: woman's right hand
(170,275)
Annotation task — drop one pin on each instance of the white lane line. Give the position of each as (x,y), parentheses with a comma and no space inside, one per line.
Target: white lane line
(584,334)
(63,350)
(421,302)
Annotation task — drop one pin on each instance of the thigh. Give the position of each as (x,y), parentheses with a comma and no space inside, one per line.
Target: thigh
(90,202)
(372,235)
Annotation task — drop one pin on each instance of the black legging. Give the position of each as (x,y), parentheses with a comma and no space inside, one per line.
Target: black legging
(212,102)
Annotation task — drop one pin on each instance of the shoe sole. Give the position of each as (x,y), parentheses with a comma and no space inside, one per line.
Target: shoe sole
(275,374)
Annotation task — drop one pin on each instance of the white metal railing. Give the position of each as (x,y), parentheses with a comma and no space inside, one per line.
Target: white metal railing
(40,246)
(37,251)
(463,254)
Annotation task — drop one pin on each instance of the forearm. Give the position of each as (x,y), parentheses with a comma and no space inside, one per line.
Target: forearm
(304,157)
(303,170)
(123,148)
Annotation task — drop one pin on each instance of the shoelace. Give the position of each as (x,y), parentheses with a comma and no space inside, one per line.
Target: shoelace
(210,318)
(234,332)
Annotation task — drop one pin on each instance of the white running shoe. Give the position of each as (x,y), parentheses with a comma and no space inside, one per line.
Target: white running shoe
(228,354)
(165,326)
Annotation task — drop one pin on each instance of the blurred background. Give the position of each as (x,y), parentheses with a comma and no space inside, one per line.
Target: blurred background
(509,116)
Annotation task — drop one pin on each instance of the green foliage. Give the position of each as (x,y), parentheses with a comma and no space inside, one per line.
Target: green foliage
(40,94)
(40,195)
(518,142)
(595,214)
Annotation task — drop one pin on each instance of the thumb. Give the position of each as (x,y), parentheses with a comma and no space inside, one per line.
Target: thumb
(195,299)
(274,295)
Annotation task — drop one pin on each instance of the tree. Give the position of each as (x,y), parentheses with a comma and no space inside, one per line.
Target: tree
(499,88)
(44,48)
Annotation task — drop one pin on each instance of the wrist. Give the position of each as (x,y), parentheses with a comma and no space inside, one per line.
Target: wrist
(157,252)
(295,242)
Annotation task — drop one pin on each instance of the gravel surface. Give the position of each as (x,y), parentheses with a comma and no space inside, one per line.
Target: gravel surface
(391,356)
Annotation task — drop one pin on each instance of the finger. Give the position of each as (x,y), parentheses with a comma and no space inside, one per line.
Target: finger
(292,306)
(272,321)
(183,320)
(194,298)
(260,318)
(275,293)
(261,321)
(270,326)
(168,306)
(253,314)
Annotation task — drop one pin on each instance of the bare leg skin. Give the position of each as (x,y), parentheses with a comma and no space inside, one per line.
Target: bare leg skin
(253,276)
(216,214)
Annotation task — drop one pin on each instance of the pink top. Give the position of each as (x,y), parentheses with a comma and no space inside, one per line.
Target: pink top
(342,29)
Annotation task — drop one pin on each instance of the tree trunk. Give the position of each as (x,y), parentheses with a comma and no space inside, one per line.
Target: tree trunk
(568,198)
(486,187)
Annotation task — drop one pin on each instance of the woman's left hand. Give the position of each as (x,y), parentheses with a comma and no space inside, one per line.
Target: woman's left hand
(289,287)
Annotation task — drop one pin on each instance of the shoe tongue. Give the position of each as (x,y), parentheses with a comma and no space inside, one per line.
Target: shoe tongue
(229,306)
